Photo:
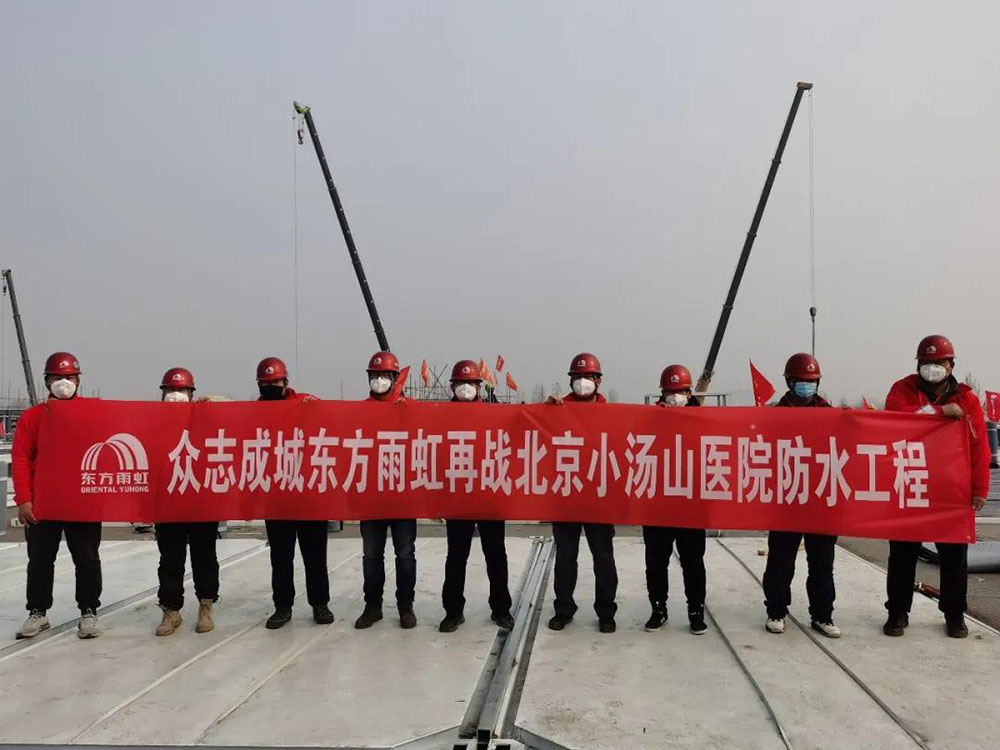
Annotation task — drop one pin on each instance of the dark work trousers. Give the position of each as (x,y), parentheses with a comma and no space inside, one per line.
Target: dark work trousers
(600,537)
(491,536)
(659,541)
(903,572)
(782,547)
(84,541)
(173,540)
(404,536)
(281,536)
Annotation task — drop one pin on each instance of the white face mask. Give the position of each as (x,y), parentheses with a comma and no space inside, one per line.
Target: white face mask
(176,397)
(584,387)
(380,384)
(63,389)
(465,392)
(676,399)
(933,373)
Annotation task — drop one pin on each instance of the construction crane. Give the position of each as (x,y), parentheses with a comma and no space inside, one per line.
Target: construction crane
(8,284)
(366,292)
(727,307)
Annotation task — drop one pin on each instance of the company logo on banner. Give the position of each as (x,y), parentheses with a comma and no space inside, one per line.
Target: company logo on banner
(132,473)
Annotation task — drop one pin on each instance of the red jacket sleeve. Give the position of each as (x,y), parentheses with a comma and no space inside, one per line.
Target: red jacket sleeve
(22,454)
(979,444)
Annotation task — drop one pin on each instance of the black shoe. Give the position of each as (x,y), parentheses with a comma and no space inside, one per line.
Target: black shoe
(322,614)
(504,620)
(697,621)
(450,623)
(956,627)
(896,624)
(369,617)
(279,618)
(608,626)
(558,622)
(407,620)
(656,619)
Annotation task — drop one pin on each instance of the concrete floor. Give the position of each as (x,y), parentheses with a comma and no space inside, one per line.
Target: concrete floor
(332,686)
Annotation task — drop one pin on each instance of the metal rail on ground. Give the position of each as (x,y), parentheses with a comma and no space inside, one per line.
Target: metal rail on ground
(910,731)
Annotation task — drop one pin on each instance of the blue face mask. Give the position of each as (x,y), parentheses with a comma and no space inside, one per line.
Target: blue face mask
(804,389)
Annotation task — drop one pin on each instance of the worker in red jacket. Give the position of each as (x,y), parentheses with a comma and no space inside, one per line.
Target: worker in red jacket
(676,389)
(584,380)
(802,375)
(173,539)
(272,383)
(466,382)
(934,390)
(383,372)
(62,379)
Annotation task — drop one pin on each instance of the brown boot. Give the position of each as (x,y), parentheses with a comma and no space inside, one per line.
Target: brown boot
(171,621)
(205,622)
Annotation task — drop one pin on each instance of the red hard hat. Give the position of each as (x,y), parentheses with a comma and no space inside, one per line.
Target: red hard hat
(62,363)
(675,378)
(465,370)
(383,362)
(585,363)
(802,366)
(178,377)
(271,369)
(935,348)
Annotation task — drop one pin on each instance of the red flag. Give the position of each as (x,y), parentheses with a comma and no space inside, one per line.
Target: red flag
(485,372)
(866,403)
(993,406)
(499,363)
(762,388)
(400,384)
(425,373)
(510,382)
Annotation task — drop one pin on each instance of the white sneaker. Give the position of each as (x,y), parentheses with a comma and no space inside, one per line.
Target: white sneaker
(87,627)
(826,628)
(776,625)
(36,623)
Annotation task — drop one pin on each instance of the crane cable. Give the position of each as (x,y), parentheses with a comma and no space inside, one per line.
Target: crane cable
(297,126)
(812,229)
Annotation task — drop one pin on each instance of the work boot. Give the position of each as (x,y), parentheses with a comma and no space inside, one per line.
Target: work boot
(322,614)
(279,618)
(956,627)
(369,617)
(450,623)
(171,621)
(826,628)
(608,625)
(896,624)
(696,618)
(87,627)
(407,620)
(657,619)
(36,623)
(558,622)
(503,620)
(205,622)
(775,625)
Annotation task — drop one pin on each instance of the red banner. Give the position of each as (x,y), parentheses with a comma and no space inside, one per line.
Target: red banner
(874,474)
(993,406)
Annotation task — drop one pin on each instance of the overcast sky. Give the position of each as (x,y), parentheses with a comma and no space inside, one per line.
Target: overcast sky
(528,178)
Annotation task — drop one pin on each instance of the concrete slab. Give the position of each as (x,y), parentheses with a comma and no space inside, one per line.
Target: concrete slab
(945,689)
(818,705)
(636,689)
(378,687)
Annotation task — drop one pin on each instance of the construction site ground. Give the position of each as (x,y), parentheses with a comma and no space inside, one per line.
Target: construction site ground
(333,686)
